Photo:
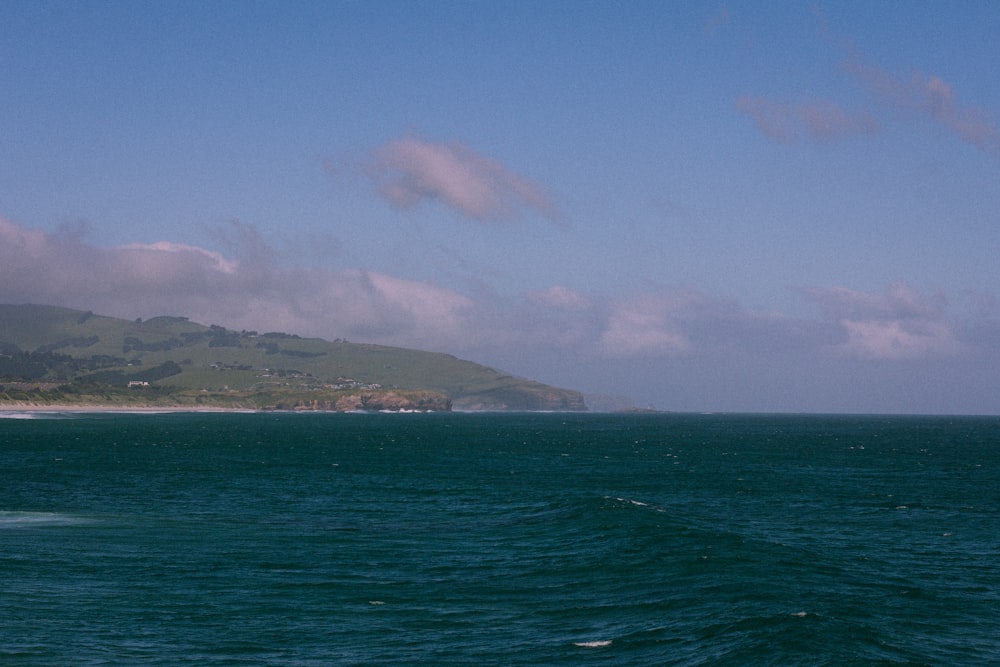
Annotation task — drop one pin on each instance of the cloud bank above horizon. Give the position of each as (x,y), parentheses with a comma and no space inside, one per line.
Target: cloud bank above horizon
(248,291)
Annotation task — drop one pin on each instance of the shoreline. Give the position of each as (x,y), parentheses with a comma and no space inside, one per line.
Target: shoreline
(107,408)
(104,407)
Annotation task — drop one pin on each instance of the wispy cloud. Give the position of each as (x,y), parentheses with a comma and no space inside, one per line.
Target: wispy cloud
(409,171)
(935,97)
(899,302)
(718,20)
(815,120)
(931,95)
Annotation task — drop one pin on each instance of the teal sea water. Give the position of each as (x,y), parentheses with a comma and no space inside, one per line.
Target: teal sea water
(458,539)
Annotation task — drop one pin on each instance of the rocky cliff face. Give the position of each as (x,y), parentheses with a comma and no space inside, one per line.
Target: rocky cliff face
(529,397)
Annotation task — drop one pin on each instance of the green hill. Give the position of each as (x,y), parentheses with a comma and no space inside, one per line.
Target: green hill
(61,355)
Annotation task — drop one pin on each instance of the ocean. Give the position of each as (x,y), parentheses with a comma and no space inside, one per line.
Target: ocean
(499,539)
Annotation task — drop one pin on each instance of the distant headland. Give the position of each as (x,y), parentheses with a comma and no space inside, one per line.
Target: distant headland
(60,358)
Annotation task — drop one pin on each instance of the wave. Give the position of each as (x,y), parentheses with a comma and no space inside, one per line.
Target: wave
(16,519)
(36,414)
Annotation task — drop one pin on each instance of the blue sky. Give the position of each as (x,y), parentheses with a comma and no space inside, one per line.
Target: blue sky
(698,206)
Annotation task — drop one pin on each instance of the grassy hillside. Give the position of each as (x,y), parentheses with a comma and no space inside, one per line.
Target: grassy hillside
(182,361)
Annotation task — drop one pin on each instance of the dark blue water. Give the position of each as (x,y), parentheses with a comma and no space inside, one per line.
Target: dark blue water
(456,539)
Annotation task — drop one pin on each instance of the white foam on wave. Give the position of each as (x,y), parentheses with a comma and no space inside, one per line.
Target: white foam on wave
(18,415)
(39,414)
(637,503)
(31,519)
(600,643)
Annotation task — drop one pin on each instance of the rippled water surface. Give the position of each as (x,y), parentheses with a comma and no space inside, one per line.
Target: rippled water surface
(321,539)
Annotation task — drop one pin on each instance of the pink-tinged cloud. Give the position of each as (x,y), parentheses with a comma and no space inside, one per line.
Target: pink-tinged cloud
(16,241)
(250,292)
(816,120)
(898,339)
(648,326)
(935,97)
(899,325)
(409,171)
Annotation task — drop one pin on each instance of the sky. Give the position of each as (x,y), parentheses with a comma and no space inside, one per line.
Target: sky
(737,206)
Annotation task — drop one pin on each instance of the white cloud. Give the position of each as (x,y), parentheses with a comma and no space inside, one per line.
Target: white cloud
(252,293)
(154,253)
(899,324)
(16,241)
(408,171)
(897,339)
(646,326)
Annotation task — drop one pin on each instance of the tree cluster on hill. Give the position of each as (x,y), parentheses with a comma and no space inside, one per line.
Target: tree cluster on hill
(16,364)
